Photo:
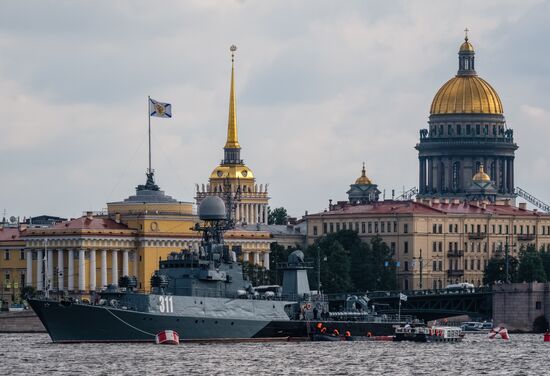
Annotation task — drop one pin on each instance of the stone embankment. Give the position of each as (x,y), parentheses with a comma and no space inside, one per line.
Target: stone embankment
(20,322)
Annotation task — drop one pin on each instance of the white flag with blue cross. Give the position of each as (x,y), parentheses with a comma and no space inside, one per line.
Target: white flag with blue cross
(159,109)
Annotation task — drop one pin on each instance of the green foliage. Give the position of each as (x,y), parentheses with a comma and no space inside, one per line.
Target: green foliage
(28,292)
(347,264)
(279,254)
(277,216)
(531,268)
(545,256)
(496,270)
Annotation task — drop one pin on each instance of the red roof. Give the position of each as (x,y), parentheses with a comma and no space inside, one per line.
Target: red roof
(8,234)
(85,223)
(412,207)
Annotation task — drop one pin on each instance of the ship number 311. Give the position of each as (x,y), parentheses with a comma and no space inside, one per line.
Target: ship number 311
(166,304)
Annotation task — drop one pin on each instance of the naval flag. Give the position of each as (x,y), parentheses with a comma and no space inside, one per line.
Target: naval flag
(402,297)
(160,109)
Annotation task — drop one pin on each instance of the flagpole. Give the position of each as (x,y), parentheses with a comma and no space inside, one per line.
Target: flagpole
(149,116)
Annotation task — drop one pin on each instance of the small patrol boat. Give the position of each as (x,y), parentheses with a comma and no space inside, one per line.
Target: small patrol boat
(428,334)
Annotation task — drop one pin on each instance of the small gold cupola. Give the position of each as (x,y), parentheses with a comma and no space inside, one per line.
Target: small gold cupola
(481,175)
(363,179)
(232,136)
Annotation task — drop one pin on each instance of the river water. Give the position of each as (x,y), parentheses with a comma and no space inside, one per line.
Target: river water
(34,354)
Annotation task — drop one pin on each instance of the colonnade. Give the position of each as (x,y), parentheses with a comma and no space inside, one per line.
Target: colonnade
(251,213)
(256,258)
(54,278)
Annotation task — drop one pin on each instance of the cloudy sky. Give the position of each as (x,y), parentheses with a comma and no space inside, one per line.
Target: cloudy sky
(321,87)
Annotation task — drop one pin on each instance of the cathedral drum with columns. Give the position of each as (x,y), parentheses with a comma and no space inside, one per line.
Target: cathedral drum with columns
(467,130)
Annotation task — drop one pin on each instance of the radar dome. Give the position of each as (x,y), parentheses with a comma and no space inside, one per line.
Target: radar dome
(212,208)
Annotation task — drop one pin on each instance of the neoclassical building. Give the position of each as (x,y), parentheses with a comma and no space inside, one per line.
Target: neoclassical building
(467,129)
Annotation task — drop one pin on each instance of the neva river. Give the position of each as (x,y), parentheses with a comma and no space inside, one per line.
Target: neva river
(34,354)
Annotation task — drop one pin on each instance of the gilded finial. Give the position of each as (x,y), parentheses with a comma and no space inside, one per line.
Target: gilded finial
(466,34)
(233,48)
(363,179)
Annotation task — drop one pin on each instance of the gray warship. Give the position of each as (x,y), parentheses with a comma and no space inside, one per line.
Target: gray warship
(204,296)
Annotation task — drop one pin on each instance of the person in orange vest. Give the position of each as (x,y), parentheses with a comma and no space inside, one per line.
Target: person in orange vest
(335,332)
(348,333)
(323,330)
(319,325)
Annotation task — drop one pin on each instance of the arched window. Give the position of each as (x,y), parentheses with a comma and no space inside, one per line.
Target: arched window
(456,174)
(406,284)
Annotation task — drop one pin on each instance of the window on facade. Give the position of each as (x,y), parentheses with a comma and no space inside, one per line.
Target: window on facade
(538,305)
(21,255)
(382,227)
(440,246)
(406,228)
(406,266)
(468,129)
(434,228)
(440,228)
(434,265)
(478,129)
(515,229)
(521,229)
(344,226)
(465,247)
(478,264)
(493,231)
(7,276)
(337,226)
(456,228)
(465,264)
(440,266)
(406,284)
(314,230)
(370,227)
(450,246)
(472,264)
(450,228)
(406,247)
(472,228)
(324,228)
(331,227)
(357,226)
(507,229)
(363,227)
(6,255)
(459,129)
(392,248)
(376,227)
(434,247)
(389,226)
(394,226)
(455,176)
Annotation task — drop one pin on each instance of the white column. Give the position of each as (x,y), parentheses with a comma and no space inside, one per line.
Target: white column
(60,270)
(70,270)
(28,275)
(266,214)
(266,260)
(136,259)
(39,268)
(49,271)
(249,213)
(104,268)
(256,258)
(238,213)
(125,262)
(92,271)
(114,267)
(81,269)
(245,257)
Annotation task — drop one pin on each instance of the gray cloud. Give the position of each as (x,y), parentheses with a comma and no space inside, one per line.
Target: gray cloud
(322,86)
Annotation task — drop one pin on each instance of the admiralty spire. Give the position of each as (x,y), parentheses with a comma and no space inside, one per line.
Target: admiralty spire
(232,178)
(466,131)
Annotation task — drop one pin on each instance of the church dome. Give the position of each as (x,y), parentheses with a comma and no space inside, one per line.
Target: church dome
(466,93)
(363,179)
(481,175)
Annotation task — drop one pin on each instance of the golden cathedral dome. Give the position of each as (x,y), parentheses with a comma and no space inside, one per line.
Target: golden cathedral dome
(363,179)
(481,175)
(466,93)
(232,172)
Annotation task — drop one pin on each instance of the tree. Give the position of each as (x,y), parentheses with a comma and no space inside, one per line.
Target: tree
(277,216)
(545,256)
(531,268)
(279,254)
(496,270)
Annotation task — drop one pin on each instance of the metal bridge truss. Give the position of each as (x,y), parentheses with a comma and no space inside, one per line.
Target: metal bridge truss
(435,305)
(533,200)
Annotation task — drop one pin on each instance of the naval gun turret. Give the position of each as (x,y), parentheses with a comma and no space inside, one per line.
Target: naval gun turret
(295,281)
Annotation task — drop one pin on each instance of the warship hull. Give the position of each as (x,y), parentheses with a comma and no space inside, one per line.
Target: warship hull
(76,322)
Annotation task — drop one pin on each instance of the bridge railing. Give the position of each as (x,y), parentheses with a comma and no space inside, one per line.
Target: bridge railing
(393,294)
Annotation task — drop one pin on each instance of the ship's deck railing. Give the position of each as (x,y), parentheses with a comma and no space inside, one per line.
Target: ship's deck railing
(369,316)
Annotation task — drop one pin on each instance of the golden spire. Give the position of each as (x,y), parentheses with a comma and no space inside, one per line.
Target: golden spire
(232,137)
(481,175)
(466,46)
(363,179)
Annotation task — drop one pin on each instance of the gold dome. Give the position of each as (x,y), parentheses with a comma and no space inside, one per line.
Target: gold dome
(481,175)
(232,172)
(363,179)
(466,47)
(466,94)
